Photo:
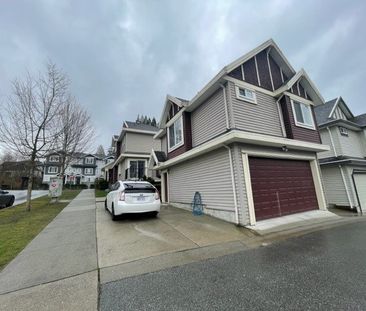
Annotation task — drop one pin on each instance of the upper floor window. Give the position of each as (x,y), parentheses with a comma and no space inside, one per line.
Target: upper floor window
(303,115)
(246,94)
(88,171)
(175,134)
(89,160)
(52,169)
(54,158)
(343,130)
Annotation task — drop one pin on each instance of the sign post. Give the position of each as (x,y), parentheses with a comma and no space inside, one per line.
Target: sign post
(55,189)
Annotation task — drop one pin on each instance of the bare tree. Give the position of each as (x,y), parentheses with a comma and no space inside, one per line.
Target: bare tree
(100,151)
(76,132)
(8,156)
(28,121)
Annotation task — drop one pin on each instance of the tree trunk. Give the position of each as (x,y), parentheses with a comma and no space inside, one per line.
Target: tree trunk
(30,185)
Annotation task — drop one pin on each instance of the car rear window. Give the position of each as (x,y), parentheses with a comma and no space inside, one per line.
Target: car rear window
(137,187)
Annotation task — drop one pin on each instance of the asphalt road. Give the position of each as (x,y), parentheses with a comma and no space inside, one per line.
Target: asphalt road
(21,195)
(325,270)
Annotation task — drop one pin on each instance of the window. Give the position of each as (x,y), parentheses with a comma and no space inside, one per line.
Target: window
(52,169)
(175,134)
(343,130)
(54,158)
(136,169)
(88,171)
(303,115)
(89,160)
(246,94)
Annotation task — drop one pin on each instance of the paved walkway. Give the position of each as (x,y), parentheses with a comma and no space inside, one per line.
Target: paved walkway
(58,270)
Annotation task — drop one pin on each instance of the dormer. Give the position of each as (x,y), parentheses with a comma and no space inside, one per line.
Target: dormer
(340,111)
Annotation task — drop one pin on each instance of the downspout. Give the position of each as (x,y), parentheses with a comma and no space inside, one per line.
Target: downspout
(233,185)
(226,108)
(357,197)
(345,186)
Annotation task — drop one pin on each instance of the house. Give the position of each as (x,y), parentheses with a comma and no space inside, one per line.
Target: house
(83,168)
(247,142)
(14,175)
(344,165)
(132,152)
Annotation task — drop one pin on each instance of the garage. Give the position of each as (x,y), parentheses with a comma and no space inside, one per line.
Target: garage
(360,184)
(281,187)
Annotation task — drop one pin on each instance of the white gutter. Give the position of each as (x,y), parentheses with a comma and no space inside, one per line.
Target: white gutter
(233,185)
(345,186)
(332,142)
(226,108)
(244,137)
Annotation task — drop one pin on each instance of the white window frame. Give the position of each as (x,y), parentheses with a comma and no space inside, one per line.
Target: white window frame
(181,143)
(87,160)
(245,98)
(54,157)
(53,167)
(343,131)
(87,169)
(145,166)
(301,124)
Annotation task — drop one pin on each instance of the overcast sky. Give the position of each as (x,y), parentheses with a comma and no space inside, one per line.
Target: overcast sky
(123,57)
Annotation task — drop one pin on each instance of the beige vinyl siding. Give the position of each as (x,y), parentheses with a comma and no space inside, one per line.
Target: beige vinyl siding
(209,119)
(208,174)
(352,144)
(335,191)
(326,141)
(164,144)
(262,117)
(139,143)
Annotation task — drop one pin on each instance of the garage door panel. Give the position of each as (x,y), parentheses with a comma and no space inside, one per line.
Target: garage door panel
(281,187)
(360,183)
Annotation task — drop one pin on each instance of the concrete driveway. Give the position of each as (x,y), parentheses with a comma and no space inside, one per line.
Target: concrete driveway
(134,238)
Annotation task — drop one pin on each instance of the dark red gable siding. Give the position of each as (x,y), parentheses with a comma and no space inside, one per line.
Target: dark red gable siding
(263,70)
(296,132)
(250,72)
(276,73)
(295,91)
(187,132)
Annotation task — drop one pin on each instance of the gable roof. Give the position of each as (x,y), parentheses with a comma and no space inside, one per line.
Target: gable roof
(140,126)
(322,112)
(360,120)
(275,52)
(180,102)
(307,84)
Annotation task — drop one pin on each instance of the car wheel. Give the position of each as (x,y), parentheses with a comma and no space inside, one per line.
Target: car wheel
(105,205)
(114,217)
(11,202)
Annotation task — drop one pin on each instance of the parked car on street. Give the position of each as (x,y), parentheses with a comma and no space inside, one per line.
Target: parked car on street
(128,197)
(6,199)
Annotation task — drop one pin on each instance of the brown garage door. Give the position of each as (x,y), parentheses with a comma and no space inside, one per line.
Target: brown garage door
(281,187)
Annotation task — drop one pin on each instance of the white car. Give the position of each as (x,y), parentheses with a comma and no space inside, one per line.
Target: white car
(132,197)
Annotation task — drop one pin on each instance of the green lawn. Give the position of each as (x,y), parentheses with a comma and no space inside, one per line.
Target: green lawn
(100,193)
(18,227)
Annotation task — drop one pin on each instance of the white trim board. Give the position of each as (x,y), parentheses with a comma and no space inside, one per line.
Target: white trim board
(244,137)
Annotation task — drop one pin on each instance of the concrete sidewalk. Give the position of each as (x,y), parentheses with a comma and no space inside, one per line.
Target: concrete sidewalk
(58,269)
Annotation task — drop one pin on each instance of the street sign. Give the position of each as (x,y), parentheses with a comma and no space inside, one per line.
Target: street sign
(55,189)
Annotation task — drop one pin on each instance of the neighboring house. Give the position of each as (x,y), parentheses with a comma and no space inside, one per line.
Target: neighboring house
(344,165)
(133,148)
(247,142)
(83,168)
(14,175)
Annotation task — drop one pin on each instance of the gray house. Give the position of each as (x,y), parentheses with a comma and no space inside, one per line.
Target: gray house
(247,142)
(344,165)
(132,152)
